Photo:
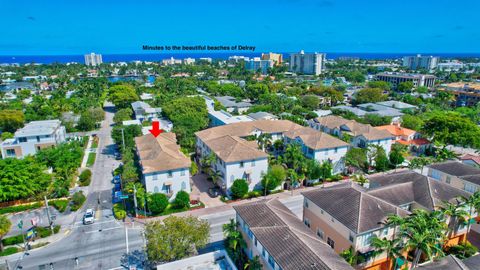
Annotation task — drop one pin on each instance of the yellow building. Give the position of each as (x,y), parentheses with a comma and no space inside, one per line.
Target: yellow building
(275,57)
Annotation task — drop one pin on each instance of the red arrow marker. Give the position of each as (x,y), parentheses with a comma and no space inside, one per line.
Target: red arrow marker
(155,129)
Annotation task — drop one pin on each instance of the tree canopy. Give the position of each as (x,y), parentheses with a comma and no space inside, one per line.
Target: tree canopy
(452,128)
(367,95)
(122,95)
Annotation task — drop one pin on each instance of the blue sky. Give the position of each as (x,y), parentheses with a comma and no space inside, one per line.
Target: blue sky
(51,27)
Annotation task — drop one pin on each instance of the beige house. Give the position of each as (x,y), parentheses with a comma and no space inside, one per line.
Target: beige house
(456,174)
(281,240)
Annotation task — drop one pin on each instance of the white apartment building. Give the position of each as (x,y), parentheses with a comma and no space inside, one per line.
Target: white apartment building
(307,63)
(93,59)
(165,169)
(421,62)
(32,137)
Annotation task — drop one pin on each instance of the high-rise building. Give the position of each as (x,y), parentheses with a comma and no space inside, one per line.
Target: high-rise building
(256,64)
(93,59)
(307,63)
(419,62)
(275,57)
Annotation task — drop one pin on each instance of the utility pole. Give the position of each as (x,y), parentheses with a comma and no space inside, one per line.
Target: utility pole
(123,140)
(126,237)
(6,263)
(135,199)
(50,222)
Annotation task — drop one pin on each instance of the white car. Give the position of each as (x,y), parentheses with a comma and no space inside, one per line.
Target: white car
(89,217)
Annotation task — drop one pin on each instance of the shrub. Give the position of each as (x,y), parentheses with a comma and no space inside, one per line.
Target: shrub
(43,232)
(77,200)
(86,175)
(119,211)
(60,205)
(12,240)
(85,183)
(463,250)
(20,208)
(254,193)
(239,188)
(182,200)
(157,203)
(9,251)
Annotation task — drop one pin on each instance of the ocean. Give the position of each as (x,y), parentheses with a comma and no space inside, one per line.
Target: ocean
(154,57)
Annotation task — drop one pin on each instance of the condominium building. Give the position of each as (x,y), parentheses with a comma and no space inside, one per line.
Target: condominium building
(457,174)
(239,157)
(165,169)
(93,59)
(32,137)
(466,93)
(396,78)
(257,64)
(421,62)
(277,58)
(188,61)
(281,241)
(307,63)
(361,134)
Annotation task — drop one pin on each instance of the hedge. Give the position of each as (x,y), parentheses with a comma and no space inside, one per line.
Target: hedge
(60,205)
(20,208)
(118,211)
(9,251)
(77,200)
(85,177)
(42,232)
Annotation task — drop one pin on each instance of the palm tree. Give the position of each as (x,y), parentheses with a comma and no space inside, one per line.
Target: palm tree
(351,256)
(392,248)
(293,178)
(215,175)
(456,213)
(361,179)
(5,226)
(264,141)
(229,228)
(473,203)
(253,264)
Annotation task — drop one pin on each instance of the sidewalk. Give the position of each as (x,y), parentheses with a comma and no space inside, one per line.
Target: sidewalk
(88,150)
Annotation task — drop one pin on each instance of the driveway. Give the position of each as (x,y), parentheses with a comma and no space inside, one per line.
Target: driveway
(200,191)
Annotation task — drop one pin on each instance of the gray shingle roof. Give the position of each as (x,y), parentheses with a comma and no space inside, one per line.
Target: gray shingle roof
(287,239)
(473,263)
(407,187)
(449,262)
(353,206)
(455,168)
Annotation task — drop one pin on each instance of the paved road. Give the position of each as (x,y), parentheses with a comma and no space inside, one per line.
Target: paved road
(101,245)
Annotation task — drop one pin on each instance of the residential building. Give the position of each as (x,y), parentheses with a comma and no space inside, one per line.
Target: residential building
(171,61)
(345,215)
(262,116)
(307,63)
(144,112)
(232,105)
(188,61)
(32,137)
(421,62)
(319,146)
(165,169)
(457,174)
(408,137)
(361,134)
(277,58)
(410,190)
(273,233)
(237,59)
(397,105)
(220,118)
(257,64)
(215,260)
(451,66)
(470,159)
(93,59)
(239,157)
(396,78)
(451,262)
(466,93)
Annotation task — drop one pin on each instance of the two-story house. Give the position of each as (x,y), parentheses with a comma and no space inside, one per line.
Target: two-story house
(409,137)
(457,174)
(273,233)
(319,146)
(410,190)
(165,169)
(361,135)
(32,137)
(345,216)
(144,112)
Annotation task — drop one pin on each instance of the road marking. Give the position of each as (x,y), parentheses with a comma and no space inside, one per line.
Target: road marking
(101,222)
(66,232)
(102,230)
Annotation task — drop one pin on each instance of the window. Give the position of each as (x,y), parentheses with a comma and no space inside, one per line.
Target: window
(250,233)
(469,187)
(448,179)
(336,149)
(10,152)
(263,252)
(170,174)
(321,211)
(184,185)
(241,164)
(330,242)
(22,139)
(253,163)
(306,204)
(350,237)
(367,239)
(38,138)
(155,189)
(271,261)
(182,172)
(385,231)
(436,175)
(319,233)
(256,243)
(307,222)
(154,177)
(333,220)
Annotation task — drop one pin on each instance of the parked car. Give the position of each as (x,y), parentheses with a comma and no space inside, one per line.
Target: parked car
(116,179)
(214,192)
(118,156)
(89,217)
(117,186)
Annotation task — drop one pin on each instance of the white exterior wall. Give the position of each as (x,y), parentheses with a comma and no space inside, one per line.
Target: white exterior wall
(256,168)
(386,144)
(335,155)
(180,179)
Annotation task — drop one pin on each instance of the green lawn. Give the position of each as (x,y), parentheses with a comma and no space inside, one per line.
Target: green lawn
(94,144)
(91,159)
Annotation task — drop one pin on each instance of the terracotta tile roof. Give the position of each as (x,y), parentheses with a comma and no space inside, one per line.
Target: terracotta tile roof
(161,153)
(474,158)
(287,239)
(355,128)
(396,130)
(407,187)
(232,148)
(353,207)
(315,139)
